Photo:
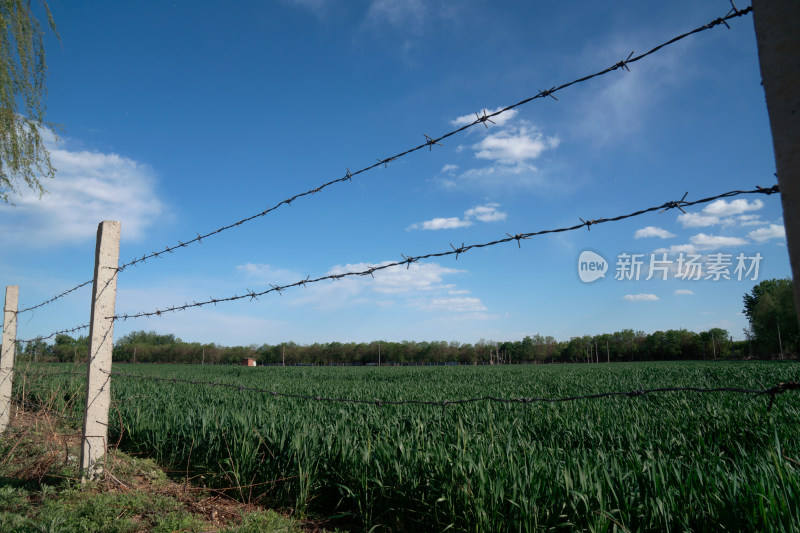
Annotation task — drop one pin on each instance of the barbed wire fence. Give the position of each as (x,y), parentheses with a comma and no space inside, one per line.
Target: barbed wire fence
(410,259)
(103,374)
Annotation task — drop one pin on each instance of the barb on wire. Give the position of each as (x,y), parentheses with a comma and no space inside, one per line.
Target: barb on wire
(780,388)
(773,392)
(56,297)
(430,141)
(59,332)
(407,260)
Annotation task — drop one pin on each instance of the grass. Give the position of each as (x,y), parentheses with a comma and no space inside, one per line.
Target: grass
(40,491)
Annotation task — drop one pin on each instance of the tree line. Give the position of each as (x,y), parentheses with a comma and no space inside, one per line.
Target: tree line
(773,332)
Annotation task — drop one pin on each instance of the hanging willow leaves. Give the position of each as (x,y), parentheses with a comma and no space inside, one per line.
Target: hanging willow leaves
(24,159)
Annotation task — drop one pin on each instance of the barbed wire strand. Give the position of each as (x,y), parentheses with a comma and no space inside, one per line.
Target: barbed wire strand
(56,297)
(430,142)
(408,260)
(780,388)
(55,333)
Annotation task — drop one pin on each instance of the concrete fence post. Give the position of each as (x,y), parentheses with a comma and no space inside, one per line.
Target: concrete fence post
(777,26)
(7,353)
(101,342)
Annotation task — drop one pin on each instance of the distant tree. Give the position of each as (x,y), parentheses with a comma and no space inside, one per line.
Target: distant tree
(67,349)
(770,309)
(36,350)
(147,338)
(23,156)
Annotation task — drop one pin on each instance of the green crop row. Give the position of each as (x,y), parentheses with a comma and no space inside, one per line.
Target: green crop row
(662,462)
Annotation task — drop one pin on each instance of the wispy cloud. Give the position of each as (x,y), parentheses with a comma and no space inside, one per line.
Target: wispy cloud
(652,231)
(483,213)
(417,277)
(263,273)
(683,291)
(397,13)
(623,105)
(441,223)
(89,187)
(640,297)
(750,220)
(420,286)
(456,305)
(449,168)
(701,241)
(486,213)
(313,5)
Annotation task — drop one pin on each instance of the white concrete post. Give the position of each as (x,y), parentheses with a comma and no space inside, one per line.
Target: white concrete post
(7,354)
(101,342)
(777,25)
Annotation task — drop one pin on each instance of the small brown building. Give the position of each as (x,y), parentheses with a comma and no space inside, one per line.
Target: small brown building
(248,362)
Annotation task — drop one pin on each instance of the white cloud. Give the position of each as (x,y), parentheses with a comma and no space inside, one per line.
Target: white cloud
(420,286)
(774,231)
(723,208)
(498,120)
(640,297)
(721,212)
(750,220)
(486,213)
(701,241)
(652,231)
(509,148)
(498,171)
(697,220)
(441,223)
(514,145)
(684,291)
(417,277)
(677,249)
(89,187)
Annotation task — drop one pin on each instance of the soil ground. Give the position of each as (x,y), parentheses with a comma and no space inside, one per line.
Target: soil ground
(41,490)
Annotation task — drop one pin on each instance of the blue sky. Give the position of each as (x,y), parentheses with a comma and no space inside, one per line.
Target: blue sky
(181,117)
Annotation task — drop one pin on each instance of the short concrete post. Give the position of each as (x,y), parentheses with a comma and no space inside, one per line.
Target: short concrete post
(101,342)
(777,25)
(7,354)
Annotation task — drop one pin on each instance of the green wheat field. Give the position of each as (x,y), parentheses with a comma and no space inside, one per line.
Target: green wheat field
(670,461)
